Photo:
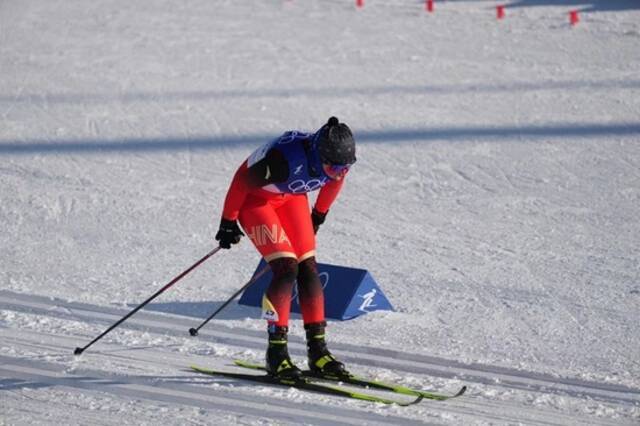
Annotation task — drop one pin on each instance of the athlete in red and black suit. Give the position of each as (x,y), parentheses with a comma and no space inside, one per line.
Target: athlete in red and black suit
(268,196)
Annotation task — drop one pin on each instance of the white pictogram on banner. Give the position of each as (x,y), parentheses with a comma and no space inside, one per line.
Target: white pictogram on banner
(368,300)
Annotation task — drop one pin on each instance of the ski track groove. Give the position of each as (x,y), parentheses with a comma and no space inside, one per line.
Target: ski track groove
(479,409)
(385,358)
(176,326)
(470,406)
(175,393)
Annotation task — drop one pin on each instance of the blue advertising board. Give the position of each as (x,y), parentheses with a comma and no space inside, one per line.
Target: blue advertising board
(348,292)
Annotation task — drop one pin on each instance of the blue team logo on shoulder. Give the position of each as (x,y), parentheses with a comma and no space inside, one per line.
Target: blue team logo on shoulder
(291,136)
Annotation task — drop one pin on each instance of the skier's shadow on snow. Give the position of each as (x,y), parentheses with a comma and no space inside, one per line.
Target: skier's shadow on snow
(17,384)
(583,5)
(204,309)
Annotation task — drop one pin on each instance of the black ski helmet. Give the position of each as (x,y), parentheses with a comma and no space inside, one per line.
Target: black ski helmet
(336,144)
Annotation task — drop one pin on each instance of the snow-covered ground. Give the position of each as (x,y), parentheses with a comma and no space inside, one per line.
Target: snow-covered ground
(495,200)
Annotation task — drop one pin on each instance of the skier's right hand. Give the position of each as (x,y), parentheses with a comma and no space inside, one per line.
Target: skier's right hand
(229,233)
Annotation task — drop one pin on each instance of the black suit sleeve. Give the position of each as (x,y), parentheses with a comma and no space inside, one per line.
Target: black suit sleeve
(273,168)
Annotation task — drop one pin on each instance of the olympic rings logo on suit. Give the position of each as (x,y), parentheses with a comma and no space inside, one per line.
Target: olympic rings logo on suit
(300,186)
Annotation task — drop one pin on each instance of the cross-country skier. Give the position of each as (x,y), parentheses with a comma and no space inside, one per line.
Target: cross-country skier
(268,196)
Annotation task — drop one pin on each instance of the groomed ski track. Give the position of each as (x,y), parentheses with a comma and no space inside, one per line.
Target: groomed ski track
(155,369)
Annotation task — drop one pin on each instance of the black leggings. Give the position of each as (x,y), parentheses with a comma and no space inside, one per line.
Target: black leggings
(286,271)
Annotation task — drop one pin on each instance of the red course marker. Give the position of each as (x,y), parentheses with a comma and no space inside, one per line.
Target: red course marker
(429,6)
(574,18)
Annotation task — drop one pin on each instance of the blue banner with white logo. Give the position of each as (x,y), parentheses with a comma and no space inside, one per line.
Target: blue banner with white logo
(348,292)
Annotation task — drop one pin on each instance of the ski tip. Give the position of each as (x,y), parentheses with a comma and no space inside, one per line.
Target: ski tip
(461,391)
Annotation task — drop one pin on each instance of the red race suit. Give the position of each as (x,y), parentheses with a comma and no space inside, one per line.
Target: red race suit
(268,195)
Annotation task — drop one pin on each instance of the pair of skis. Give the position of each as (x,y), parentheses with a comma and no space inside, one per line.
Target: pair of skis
(313,382)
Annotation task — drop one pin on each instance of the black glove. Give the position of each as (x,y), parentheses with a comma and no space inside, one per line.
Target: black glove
(229,233)
(317,219)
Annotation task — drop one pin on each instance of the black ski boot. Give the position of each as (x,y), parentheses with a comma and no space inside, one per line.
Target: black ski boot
(321,361)
(279,363)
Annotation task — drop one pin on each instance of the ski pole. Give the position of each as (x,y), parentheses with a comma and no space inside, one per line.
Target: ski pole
(261,272)
(79,350)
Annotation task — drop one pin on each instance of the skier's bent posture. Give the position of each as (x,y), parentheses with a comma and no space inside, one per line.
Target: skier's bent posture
(268,195)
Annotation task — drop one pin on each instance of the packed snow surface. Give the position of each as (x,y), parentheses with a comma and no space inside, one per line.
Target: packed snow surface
(495,201)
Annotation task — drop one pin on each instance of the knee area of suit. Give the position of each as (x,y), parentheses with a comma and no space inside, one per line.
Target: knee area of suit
(307,270)
(284,269)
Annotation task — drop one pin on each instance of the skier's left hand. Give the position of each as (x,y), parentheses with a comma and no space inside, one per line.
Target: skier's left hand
(317,219)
